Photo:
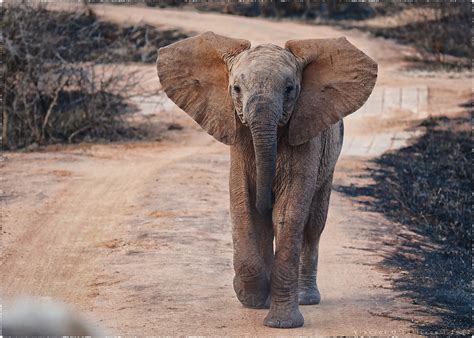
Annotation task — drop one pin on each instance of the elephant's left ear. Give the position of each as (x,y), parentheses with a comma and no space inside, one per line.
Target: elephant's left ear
(337,79)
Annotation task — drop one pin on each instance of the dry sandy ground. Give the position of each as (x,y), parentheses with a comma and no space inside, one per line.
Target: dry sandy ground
(137,236)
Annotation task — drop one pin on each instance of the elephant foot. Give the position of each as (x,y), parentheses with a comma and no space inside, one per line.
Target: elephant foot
(284,319)
(309,297)
(255,295)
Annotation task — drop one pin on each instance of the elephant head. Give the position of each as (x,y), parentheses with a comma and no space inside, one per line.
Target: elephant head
(305,87)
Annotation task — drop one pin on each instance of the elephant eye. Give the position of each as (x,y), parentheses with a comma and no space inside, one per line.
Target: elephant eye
(236,89)
(289,89)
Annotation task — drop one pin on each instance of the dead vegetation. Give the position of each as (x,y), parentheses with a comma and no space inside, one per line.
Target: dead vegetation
(438,29)
(307,10)
(55,89)
(426,189)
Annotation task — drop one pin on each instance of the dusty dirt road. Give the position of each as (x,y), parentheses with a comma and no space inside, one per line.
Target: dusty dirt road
(137,235)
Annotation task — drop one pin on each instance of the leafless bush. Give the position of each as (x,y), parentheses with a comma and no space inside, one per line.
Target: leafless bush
(61,102)
(437,30)
(446,33)
(81,36)
(60,83)
(298,9)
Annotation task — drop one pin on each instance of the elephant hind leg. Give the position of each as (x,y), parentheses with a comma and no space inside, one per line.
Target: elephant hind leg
(308,292)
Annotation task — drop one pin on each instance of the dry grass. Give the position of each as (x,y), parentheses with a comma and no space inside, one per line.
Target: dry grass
(307,10)
(54,91)
(426,190)
(437,30)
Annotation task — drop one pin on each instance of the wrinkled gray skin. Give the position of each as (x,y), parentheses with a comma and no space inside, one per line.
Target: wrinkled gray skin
(281,112)
(276,190)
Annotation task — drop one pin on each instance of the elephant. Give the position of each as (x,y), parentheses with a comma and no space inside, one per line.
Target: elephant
(280,110)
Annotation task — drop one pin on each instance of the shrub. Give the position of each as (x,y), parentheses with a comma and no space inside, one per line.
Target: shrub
(54,88)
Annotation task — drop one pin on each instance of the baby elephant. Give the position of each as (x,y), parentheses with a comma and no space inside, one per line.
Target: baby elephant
(280,110)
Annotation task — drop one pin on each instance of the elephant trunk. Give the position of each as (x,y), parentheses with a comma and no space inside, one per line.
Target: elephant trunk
(264,135)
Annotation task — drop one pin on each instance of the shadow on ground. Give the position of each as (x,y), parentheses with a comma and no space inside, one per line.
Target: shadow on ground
(426,190)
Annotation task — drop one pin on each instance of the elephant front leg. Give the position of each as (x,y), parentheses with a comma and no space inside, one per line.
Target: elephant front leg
(253,255)
(252,235)
(284,311)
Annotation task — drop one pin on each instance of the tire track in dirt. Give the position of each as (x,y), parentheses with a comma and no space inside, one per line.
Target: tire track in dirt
(140,240)
(60,237)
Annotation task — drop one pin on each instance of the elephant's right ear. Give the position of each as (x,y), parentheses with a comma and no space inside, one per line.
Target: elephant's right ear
(194,74)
